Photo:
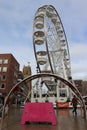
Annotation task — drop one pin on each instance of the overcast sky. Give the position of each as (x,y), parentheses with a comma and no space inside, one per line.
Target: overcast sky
(16,20)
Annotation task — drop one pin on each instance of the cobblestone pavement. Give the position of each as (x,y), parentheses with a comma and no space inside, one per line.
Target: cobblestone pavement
(65,121)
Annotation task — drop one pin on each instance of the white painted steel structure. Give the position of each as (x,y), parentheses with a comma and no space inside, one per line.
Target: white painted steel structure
(51,51)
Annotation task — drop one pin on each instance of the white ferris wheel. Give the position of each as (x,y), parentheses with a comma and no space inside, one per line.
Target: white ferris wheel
(51,47)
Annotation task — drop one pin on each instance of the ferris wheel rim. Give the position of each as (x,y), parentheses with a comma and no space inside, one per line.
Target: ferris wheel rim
(63,29)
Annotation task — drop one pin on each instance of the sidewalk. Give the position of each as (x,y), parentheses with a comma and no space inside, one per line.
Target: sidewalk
(65,119)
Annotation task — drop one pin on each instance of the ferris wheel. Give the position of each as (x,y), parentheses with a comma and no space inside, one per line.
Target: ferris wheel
(50,42)
(51,46)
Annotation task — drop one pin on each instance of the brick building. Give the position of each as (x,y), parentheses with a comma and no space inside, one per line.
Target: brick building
(27,72)
(78,84)
(9,69)
(84,84)
(81,86)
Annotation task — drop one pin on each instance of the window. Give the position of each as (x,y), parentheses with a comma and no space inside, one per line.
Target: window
(0,61)
(63,93)
(16,67)
(5,61)
(2,86)
(4,69)
(15,81)
(15,75)
(3,77)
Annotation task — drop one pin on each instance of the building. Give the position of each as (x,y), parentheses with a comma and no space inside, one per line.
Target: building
(24,88)
(27,72)
(20,76)
(9,69)
(84,92)
(78,84)
(81,86)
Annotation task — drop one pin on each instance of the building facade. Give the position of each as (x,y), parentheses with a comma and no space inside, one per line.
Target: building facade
(84,92)
(27,72)
(81,86)
(9,69)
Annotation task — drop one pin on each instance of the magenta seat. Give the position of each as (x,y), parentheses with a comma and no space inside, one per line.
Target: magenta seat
(39,112)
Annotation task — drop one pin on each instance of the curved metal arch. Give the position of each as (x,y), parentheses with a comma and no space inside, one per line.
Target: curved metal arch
(29,78)
(20,94)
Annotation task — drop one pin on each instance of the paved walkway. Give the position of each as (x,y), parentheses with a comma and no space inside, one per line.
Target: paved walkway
(65,118)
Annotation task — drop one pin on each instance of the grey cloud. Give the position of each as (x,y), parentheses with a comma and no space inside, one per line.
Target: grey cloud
(78,51)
